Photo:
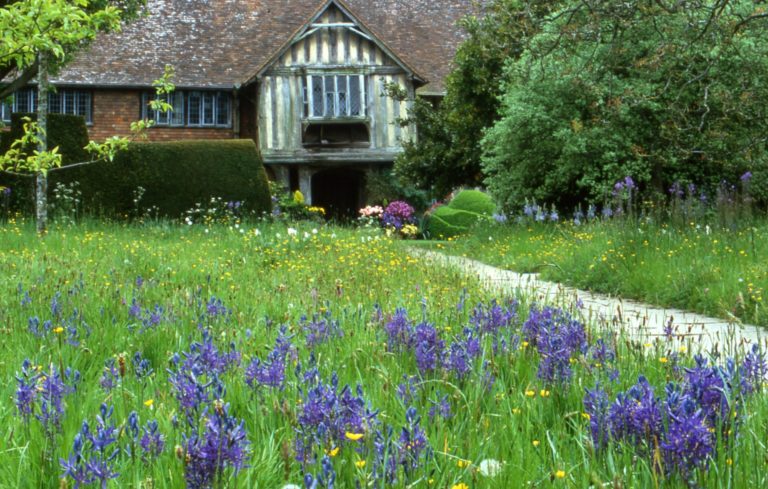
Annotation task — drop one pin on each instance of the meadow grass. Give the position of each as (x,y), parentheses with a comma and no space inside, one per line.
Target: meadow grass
(111,290)
(718,272)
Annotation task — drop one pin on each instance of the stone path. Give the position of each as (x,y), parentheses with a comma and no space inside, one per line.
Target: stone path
(642,322)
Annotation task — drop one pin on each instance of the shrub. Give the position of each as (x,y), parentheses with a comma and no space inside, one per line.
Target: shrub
(463,211)
(577,116)
(382,186)
(66,131)
(176,176)
(438,227)
(474,201)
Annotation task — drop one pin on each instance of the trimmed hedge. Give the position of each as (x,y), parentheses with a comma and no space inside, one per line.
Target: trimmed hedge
(438,228)
(66,131)
(474,201)
(175,175)
(460,214)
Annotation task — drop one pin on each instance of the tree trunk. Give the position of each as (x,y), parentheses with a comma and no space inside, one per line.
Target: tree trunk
(41,180)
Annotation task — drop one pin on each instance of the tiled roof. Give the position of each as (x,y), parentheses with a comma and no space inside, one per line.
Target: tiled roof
(223,43)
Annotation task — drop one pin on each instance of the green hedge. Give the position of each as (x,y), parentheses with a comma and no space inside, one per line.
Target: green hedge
(439,229)
(66,131)
(474,201)
(461,213)
(175,176)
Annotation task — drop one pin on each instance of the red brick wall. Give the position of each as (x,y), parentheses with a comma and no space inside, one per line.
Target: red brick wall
(114,110)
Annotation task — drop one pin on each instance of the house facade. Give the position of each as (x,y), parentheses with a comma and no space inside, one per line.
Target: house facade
(305,79)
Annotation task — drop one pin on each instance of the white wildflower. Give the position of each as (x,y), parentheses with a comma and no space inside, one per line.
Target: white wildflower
(489,467)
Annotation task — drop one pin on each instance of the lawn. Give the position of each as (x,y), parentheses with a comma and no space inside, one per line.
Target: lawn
(718,272)
(171,356)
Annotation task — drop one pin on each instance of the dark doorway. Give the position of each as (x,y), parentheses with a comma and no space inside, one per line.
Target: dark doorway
(339,191)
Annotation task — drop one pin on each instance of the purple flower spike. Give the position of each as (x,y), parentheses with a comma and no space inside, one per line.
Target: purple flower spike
(222,445)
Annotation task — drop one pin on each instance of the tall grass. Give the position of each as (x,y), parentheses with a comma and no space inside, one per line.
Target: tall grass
(714,271)
(242,284)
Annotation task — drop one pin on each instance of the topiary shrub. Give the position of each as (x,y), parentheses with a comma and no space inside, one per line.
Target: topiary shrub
(474,201)
(437,227)
(175,176)
(461,213)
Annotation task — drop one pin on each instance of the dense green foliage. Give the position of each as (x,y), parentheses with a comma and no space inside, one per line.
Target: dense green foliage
(446,154)
(658,91)
(65,131)
(175,175)
(461,213)
(381,187)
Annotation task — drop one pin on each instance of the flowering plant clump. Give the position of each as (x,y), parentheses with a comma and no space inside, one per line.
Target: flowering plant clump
(370,215)
(216,211)
(397,218)
(374,211)
(397,214)
(292,206)
(679,430)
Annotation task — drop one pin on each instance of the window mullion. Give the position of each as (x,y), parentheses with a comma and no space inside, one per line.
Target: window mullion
(336,96)
(215,110)
(310,97)
(363,102)
(348,97)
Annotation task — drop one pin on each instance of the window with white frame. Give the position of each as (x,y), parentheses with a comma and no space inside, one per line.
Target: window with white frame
(191,109)
(334,96)
(63,101)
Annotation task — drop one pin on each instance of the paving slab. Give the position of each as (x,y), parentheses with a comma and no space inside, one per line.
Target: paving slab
(641,322)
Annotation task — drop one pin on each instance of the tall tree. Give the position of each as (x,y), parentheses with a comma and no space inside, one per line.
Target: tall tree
(446,153)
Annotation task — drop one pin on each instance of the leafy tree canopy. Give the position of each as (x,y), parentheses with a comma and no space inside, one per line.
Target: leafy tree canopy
(56,27)
(447,152)
(660,90)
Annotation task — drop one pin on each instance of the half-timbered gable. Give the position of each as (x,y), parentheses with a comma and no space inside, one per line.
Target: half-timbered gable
(324,94)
